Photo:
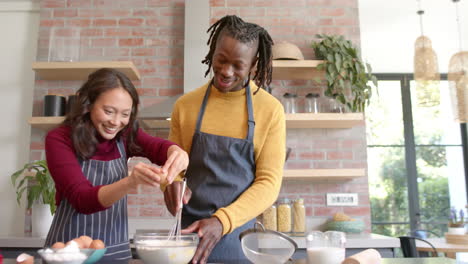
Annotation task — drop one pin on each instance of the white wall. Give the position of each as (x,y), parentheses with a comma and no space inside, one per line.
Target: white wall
(19,23)
(390,28)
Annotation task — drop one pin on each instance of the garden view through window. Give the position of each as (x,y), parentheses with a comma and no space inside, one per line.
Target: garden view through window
(415,147)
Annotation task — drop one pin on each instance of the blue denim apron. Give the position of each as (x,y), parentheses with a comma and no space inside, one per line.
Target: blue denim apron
(221,168)
(110,225)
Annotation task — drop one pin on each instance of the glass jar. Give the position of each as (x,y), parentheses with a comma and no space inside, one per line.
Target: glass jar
(312,103)
(335,105)
(284,216)
(299,217)
(325,248)
(269,218)
(290,103)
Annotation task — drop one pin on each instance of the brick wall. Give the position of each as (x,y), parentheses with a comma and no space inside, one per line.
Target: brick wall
(151,34)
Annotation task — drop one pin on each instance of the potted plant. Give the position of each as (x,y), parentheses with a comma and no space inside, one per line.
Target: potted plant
(34,179)
(346,75)
(457,223)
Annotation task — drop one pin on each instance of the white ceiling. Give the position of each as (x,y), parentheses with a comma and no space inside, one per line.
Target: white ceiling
(390,28)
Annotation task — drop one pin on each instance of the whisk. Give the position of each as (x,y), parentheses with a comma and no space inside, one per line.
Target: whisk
(175,231)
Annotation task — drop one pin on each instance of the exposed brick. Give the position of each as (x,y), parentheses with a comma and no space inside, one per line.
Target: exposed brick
(325,22)
(78,23)
(132,4)
(279,12)
(242,3)
(104,42)
(131,42)
(159,22)
(117,32)
(117,52)
(251,12)
(313,155)
(324,188)
(79,3)
(91,13)
(335,155)
(163,41)
(131,22)
(220,12)
(326,211)
(101,22)
(133,212)
(334,12)
(170,92)
(36,155)
(293,3)
(52,23)
(176,14)
(147,91)
(91,32)
(346,22)
(266,3)
(143,52)
(91,52)
(144,12)
(53,3)
(158,3)
(144,31)
(65,12)
(106,3)
(155,82)
(118,12)
(36,145)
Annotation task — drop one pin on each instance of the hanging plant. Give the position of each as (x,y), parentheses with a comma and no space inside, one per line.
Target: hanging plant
(346,75)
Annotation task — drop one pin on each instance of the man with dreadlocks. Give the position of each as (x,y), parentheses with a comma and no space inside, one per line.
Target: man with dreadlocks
(235,134)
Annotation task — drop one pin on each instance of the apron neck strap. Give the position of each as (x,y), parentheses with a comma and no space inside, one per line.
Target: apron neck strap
(251,121)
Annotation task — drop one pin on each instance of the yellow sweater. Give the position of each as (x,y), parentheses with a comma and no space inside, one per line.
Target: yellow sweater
(226,115)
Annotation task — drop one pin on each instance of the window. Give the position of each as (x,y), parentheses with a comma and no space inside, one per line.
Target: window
(415,156)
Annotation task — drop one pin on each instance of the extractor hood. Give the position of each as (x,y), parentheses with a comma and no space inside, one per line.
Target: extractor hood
(161,110)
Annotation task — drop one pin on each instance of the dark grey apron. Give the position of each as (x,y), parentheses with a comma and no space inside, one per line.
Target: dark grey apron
(220,170)
(111,225)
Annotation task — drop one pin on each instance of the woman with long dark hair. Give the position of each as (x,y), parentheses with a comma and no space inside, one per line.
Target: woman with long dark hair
(87,158)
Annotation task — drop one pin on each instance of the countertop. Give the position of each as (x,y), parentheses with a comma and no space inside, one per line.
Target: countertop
(384,261)
(352,241)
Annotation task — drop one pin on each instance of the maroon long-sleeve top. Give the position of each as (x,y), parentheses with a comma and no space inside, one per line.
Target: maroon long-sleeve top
(70,182)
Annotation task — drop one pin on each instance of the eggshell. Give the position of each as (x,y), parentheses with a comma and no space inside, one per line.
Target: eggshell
(97,244)
(75,241)
(86,241)
(25,259)
(58,245)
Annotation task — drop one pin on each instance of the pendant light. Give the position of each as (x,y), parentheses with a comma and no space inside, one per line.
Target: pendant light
(425,59)
(458,77)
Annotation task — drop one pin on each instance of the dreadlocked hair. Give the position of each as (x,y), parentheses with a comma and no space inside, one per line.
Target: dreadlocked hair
(244,32)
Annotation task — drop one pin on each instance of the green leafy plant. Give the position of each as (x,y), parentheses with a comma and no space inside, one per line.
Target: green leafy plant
(38,184)
(347,76)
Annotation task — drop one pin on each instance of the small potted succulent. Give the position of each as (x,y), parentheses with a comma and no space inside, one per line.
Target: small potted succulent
(457,222)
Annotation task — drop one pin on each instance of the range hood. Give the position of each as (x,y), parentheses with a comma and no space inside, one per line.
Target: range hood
(195,49)
(160,111)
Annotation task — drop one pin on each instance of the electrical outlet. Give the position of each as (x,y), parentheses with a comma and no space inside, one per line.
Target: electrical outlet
(342,199)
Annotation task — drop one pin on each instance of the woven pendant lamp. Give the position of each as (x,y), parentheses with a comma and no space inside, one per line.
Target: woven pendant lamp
(458,83)
(458,78)
(426,67)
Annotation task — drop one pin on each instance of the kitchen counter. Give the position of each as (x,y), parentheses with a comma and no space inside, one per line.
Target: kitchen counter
(302,261)
(353,241)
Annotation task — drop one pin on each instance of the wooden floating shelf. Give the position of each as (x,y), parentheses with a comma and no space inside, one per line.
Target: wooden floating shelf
(324,174)
(81,69)
(45,122)
(324,120)
(297,70)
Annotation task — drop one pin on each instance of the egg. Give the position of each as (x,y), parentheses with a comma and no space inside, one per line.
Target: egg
(25,259)
(86,241)
(78,242)
(97,244)
(58,245)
